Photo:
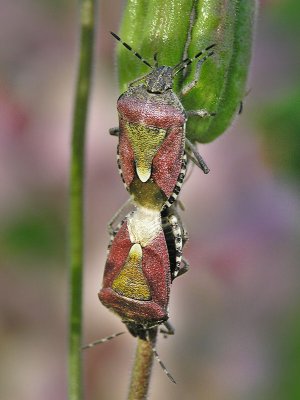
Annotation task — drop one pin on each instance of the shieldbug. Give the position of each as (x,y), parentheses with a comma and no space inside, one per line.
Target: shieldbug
(144,257)
(152,140)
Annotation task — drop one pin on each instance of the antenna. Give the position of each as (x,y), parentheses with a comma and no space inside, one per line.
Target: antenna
(154,351)
(106,339)
(187,61)
(131,49)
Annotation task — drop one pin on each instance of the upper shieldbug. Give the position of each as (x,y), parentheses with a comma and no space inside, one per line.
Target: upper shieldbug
(152,140)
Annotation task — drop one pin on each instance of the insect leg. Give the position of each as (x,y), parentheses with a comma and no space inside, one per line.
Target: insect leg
(169,329)
(183,268)
(135,81)
(114,131)
(202,113)
(197,159)
(241,104)
(116,218)
(154,351)
(188,87)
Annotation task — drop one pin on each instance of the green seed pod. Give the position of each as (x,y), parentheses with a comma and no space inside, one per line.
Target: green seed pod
(176,29)
(149,27)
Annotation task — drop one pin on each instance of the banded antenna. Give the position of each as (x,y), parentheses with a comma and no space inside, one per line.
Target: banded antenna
(187,61)
(106,339)
(131,49)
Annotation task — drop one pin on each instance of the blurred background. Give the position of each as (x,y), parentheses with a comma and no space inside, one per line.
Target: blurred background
(237,311)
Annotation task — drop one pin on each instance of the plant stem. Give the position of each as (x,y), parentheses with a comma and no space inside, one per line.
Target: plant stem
(141,370)
(76,217)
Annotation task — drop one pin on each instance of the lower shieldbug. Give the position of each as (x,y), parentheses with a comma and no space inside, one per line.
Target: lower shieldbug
(144,257)
(152,140)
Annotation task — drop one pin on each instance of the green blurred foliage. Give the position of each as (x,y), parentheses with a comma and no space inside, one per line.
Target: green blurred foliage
(287,386)
(54,6)
(287,14)
(280,125)
(33,238)
(279,118)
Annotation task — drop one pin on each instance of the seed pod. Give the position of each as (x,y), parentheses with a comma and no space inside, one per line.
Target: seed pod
(176,29)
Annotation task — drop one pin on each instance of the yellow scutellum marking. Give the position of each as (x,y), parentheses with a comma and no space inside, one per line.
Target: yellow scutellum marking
(131,282)
(145,142)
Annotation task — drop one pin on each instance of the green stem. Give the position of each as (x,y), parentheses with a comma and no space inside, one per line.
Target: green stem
(76,218)
(141,371)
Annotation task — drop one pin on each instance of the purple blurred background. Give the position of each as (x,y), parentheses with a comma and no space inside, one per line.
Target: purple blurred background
(237,311)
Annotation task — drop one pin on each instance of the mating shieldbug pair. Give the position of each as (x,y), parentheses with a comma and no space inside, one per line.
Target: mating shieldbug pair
(145,254)
(152,161)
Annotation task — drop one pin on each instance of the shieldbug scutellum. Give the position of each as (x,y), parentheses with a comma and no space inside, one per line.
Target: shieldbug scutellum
(151,131)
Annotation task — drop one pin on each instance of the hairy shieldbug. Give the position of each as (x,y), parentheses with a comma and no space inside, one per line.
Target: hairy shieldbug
(144,257)
(152,141)
(145,253)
